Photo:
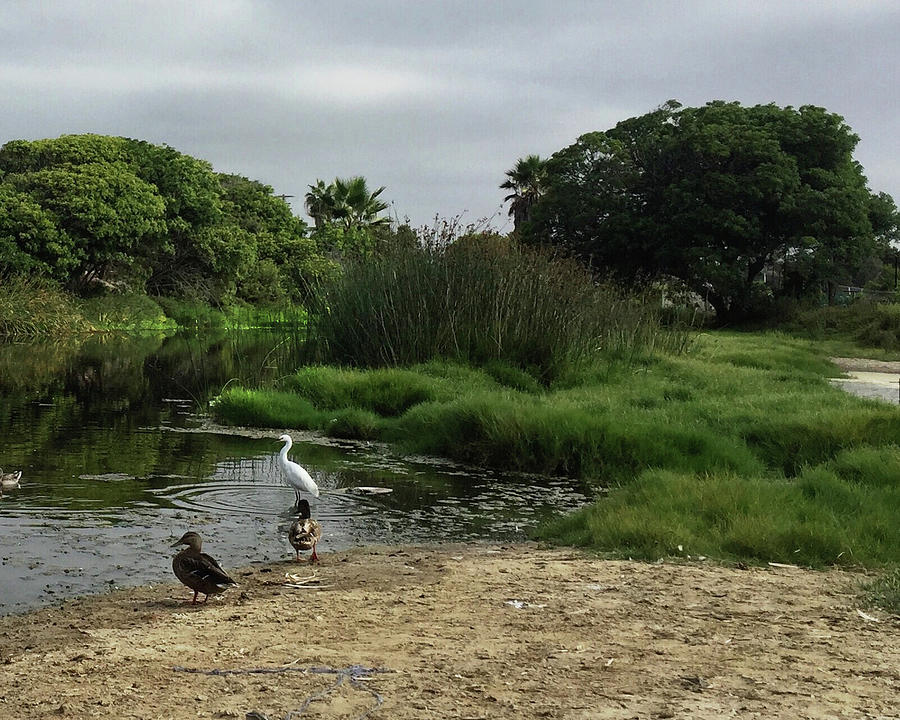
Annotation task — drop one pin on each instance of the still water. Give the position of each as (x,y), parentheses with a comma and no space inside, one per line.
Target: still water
(119,459)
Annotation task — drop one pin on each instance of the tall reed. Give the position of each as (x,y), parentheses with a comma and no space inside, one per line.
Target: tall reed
(479,301)
(29,308)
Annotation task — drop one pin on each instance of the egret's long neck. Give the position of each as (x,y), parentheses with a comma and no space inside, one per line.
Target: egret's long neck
(287,446)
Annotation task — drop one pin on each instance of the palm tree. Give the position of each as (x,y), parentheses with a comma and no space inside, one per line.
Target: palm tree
(347,200)
(320,203)
(527,180)
(355,206)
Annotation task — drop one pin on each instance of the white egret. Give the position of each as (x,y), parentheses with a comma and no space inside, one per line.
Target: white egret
(295,475)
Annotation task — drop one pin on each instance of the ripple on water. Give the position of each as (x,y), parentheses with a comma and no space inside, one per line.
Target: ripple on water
(224,497)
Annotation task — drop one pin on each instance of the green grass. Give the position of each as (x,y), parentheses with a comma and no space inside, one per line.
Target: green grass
(817,519)
(197,315)
(740,449)
(35,308)
(266,408)
(742,403)
(127,312)
(862,323)
(884,592)
(388,392)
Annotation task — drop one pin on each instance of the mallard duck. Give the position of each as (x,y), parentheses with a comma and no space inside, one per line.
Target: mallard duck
(10,480)
(305,532)
(200,572)
(295,475)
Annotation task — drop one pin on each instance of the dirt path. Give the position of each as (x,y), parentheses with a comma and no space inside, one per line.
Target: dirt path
(588,639)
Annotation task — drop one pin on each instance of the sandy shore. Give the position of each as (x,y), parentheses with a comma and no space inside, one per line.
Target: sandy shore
(473,631)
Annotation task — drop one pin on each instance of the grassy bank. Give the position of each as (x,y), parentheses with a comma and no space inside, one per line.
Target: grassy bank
(39,309)
(740,449)
(31,308)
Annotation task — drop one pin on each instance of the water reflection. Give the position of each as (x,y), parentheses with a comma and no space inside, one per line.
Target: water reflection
(118,462)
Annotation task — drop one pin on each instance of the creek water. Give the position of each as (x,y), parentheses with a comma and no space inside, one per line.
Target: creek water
(119,459)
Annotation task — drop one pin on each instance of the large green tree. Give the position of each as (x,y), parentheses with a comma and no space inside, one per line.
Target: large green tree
(83,208)
(286,260)
(710,195)
(106,220)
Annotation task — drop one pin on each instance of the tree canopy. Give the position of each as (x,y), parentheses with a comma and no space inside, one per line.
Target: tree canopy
(84,209)
(711,195)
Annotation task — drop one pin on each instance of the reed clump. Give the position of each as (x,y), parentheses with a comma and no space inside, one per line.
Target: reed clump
(33,308)
(481,301)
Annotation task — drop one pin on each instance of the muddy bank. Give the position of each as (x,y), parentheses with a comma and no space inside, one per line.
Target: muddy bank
(874,379)
(867,365)
(472,631)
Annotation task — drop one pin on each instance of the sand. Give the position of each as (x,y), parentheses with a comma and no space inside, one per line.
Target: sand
(474,631)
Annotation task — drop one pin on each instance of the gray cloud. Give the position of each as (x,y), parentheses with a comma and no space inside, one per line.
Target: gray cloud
(434,100)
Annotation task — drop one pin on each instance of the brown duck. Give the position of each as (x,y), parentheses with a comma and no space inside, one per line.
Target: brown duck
(10,480)
(305,532)
(197,570)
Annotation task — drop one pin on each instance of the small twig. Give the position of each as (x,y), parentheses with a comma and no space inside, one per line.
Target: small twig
(303,586)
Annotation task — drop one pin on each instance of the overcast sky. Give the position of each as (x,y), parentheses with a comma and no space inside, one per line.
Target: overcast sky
(434,100)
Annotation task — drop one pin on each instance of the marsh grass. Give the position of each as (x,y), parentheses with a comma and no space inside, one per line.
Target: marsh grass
(127,312)
(32,308)
(198,315)
(387,391)
(266,408)
(816,520)
(738,403)
(482,302)
(740,449)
